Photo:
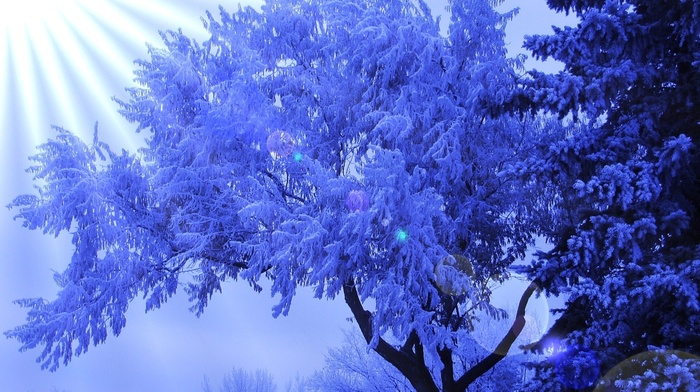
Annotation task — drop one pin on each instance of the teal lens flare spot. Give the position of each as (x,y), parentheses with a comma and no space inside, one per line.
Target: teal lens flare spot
(401,236)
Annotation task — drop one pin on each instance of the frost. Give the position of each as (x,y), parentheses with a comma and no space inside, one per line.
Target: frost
(618,192)
(345,146)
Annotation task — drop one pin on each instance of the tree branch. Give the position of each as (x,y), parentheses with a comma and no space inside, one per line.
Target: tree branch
(406,362)
(281,187)
(447,374)
(411,342)
(501,351)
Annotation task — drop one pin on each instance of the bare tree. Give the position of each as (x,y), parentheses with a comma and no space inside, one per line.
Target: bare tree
(206,385)
(298,385)
(354,368)
(241,380)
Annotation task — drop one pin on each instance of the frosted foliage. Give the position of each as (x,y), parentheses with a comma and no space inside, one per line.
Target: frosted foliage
(241,380)
(654,371)
(619,195)
(381,163)
(577,367)
(351,367)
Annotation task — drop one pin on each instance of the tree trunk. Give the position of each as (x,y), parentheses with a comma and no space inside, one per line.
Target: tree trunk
(410,361)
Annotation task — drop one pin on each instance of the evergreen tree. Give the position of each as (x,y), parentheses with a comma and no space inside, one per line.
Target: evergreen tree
(621,195)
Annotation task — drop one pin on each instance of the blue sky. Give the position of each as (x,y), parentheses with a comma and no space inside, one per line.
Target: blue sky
(61,63)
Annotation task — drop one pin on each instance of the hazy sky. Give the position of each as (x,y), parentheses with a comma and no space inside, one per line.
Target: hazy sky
(60,62)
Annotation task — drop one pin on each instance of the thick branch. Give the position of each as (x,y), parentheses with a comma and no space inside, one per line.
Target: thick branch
(411,342)
(500,352)
(412,367)
(447,374)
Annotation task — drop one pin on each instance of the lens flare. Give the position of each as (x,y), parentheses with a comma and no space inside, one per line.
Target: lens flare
(62,61)
(357,201)
(454,274)
(280,144)
(401,236)
(674,369)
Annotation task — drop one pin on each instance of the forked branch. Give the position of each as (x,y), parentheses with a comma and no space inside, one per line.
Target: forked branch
(409,359)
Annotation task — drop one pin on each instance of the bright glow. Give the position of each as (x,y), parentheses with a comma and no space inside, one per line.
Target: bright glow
(26,31)
(62,61)
(24,14)
(401,235)
(49,66)
(578,367)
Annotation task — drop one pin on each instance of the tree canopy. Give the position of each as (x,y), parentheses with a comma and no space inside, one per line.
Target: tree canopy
(341,145)
(349,147)
(621,191)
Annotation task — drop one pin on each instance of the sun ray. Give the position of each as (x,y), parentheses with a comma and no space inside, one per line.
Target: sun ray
(188,19)
(89,88)
(56,56)
(52,78)
(23,88)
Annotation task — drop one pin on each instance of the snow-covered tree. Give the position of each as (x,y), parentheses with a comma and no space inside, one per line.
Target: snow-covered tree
(622,193)
(351,367)
(241,380)
(340,145)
